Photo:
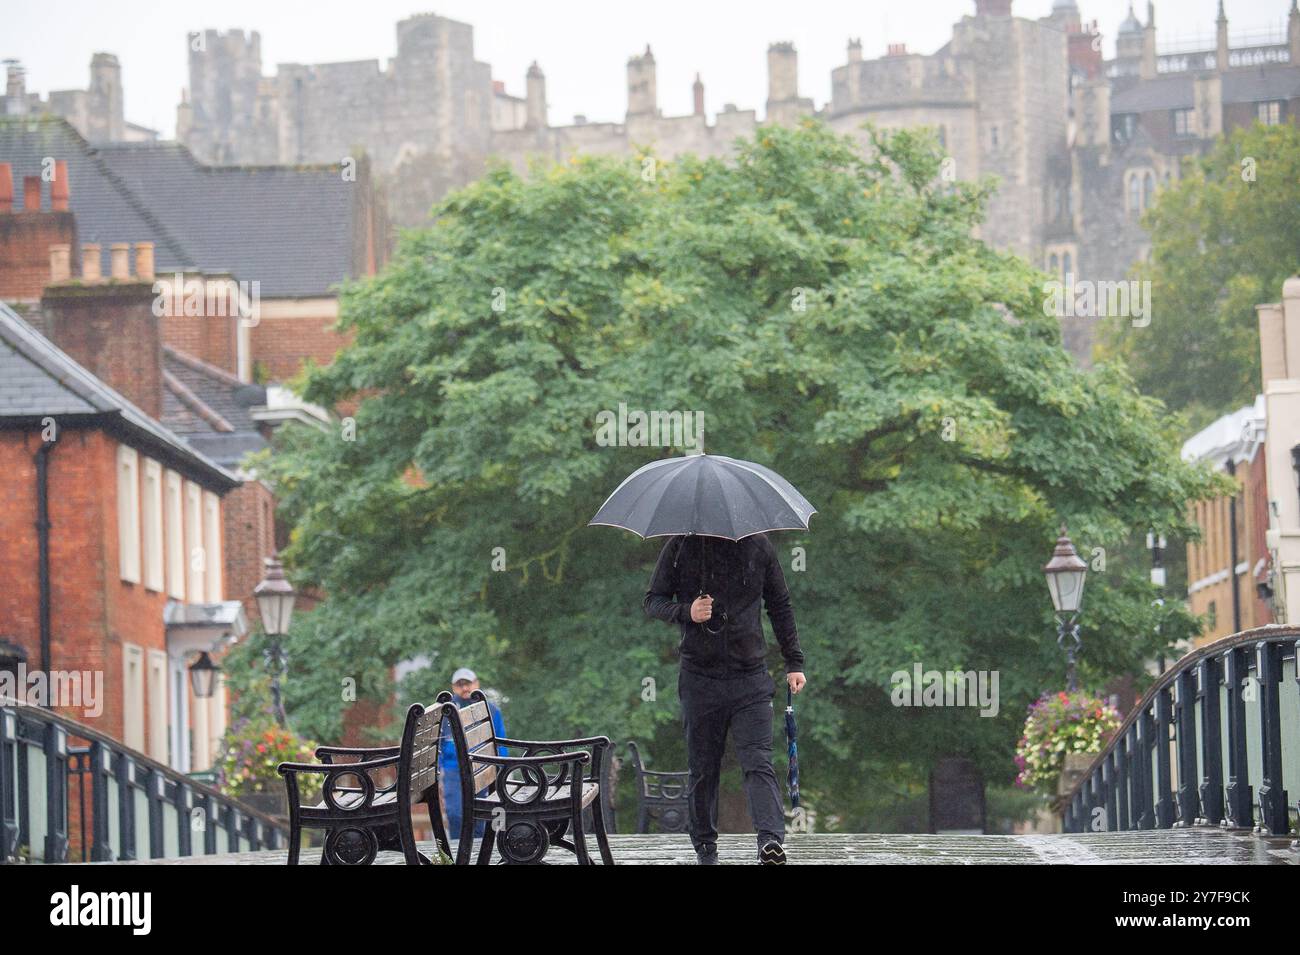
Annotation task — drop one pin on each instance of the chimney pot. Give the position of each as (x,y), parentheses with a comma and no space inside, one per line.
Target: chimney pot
(59,190)
(6,188)
(60,262)
(90,262)
(144,261)
(31,193)
(119,260)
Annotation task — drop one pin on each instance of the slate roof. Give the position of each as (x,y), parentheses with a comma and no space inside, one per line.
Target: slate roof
(210,408)
(290,228)
(1177,91)
(38,379)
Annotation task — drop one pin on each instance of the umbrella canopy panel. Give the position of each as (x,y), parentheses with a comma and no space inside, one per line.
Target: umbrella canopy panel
(707,494)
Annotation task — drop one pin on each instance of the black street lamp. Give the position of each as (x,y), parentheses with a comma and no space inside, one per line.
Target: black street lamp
(203,676)
(1065,574)
(275,597)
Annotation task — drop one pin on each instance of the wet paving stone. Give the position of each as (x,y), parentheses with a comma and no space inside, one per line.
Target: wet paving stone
(1166,847)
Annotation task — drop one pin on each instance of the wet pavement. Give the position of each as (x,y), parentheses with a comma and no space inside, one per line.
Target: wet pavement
(1164,847)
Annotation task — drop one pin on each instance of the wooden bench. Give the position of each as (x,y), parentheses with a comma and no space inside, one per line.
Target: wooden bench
(529,802)
(660,796)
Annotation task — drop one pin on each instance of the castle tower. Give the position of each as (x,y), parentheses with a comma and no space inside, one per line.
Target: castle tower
(783,102)
(1148,69)
(1129,42)
(105,118)
(536,98)
(15,90)
(992,8)
(1221,40)
(642,95)
(782,73)
(1293,31)
(219,119)
(697,95)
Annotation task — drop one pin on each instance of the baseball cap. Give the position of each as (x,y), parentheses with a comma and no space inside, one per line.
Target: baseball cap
(464,673)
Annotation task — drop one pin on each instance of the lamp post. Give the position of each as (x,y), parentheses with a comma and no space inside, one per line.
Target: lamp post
(275,596)
(1065,574)
(203,676)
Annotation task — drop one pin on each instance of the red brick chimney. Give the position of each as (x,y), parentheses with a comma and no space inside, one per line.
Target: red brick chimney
(26,236)
(109,327)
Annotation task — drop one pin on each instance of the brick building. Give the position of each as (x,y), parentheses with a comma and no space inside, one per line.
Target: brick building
(1227,566)
(156,533)
(111,540)
(270,243)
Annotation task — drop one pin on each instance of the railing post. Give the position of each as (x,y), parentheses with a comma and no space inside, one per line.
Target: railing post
(211,822)
(56,793)
(1096,796)
(126,786)
(1188,801)
(1240,808)
(8,784)
(184,846)
(1144,803)
(1112,790)
(1211,742)
(101,768)
(1164,780)
(233,826)
(1123,780)
(1272,797)
(157,792)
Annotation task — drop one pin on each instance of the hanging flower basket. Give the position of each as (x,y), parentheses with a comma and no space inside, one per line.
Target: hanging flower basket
(1063,732)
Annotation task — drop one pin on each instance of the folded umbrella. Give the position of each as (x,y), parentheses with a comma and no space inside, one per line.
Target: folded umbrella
(792,748)
(707,494)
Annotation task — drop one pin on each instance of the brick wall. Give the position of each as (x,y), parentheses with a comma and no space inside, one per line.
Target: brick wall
(249,518)
(25,240)
(210,338)
(111,331)
(280,345)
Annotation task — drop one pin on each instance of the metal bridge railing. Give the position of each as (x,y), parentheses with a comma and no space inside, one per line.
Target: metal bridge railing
(63,801)
(1214,742)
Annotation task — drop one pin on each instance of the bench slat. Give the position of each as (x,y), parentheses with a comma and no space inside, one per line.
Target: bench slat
(476,736)
(474,713)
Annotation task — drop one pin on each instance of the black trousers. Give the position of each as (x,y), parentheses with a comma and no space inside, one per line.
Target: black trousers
(740,705)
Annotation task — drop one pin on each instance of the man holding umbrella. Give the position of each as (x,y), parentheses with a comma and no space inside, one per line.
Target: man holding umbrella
(716,569)
(724,684)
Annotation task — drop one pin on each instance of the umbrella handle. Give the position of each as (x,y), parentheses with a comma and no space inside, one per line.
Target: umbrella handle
(789,699)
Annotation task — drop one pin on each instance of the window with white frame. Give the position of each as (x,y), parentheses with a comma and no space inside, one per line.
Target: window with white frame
(128,514)
(133,696)
(212,544)
(1185,123)
(152,508)
(174,525)
(195,559)
(158,705)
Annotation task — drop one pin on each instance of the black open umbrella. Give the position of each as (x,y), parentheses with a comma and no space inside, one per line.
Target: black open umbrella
(706,494)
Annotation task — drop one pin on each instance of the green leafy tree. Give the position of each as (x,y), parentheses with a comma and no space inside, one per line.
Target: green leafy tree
(832,317)
(1223,240)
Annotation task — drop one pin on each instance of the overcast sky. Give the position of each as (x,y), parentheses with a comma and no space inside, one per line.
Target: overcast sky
(582,45)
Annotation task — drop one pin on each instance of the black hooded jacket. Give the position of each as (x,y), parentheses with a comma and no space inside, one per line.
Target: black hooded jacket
(738,574)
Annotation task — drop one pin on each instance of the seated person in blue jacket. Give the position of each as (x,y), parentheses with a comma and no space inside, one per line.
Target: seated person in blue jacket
(463,682)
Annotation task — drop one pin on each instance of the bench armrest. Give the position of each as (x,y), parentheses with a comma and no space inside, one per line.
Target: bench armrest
(596,744)
(509,762)
(326,753)
(556,743)
(284,769)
